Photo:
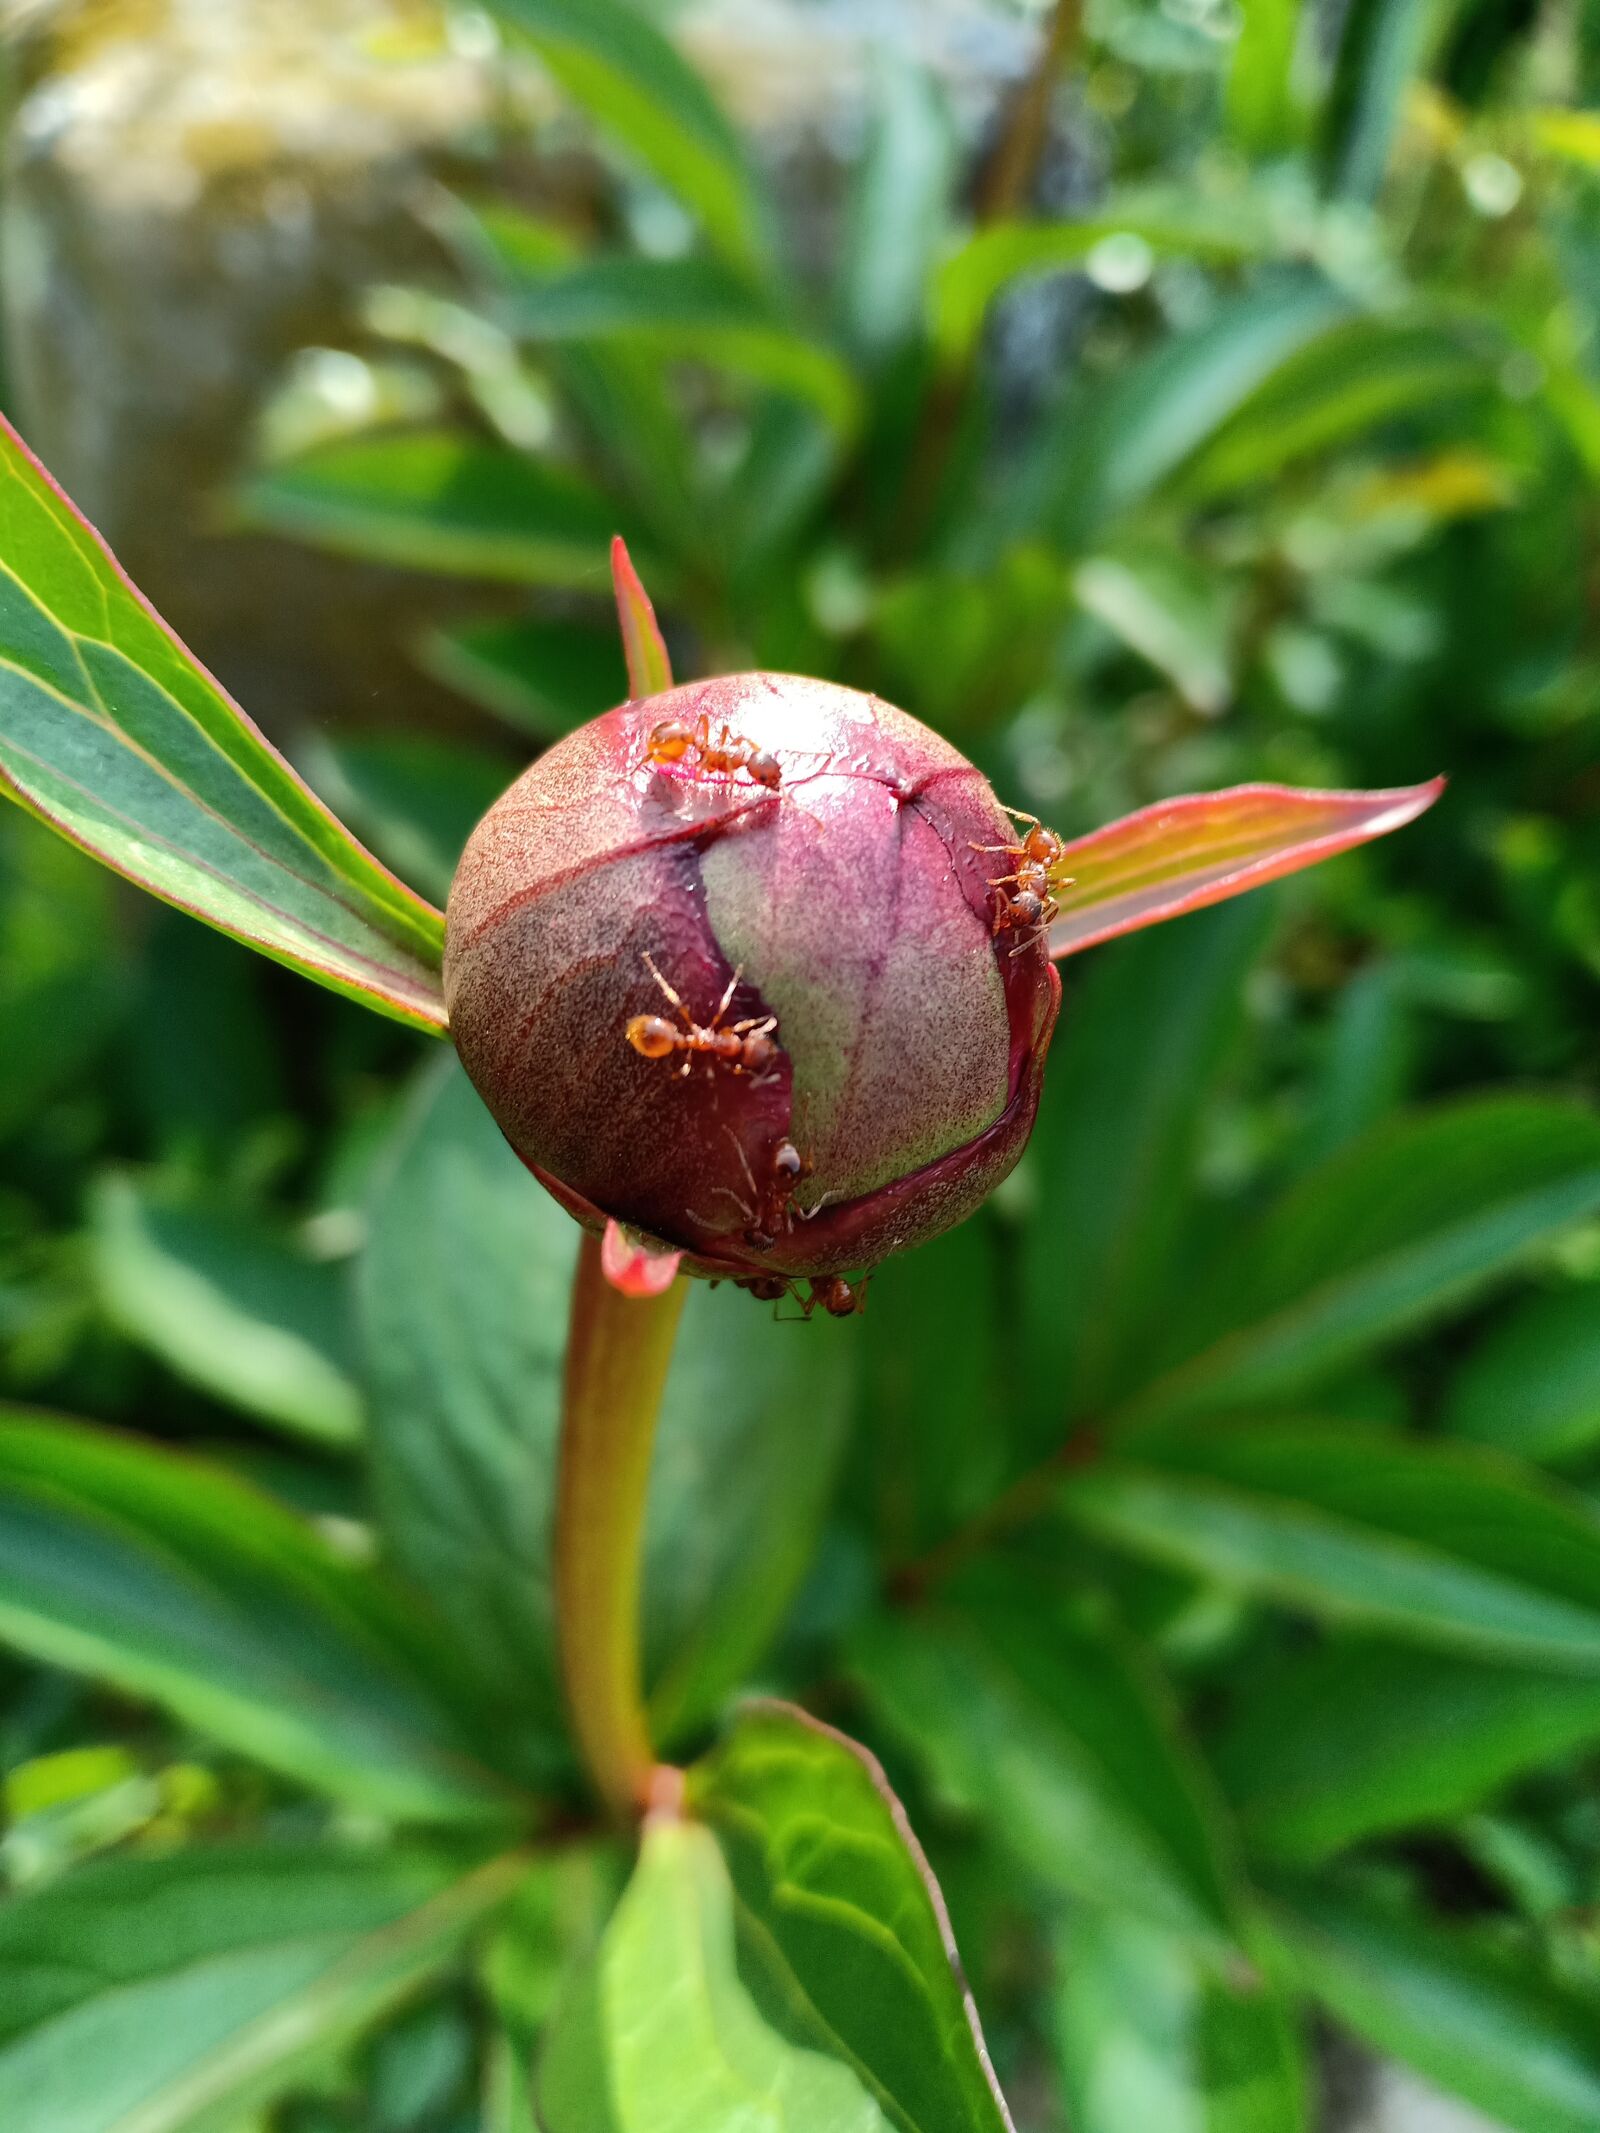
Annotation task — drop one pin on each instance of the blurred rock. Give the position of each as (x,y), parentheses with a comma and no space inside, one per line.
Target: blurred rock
(195,189)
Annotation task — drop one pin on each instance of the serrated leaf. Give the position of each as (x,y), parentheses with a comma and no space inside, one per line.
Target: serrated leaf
(1532,1382)
(1477,2017)
(176,1994)
(619,68)
(1182,855)
(1035,1713)
(114,735)
(1430,1544)
(1147,2036)
(465,1372)
(172,1581)
(663,2035)
(1357,1738)
(1384,1236)
(843,1932)
(439,501)
(231,1306)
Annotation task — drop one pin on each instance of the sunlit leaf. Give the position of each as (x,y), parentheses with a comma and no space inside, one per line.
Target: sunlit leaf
(1417,1541)
(617,65)
(645,649)
(1382,45)
(842,1929)
(662,2034)
(434,500)
(163,1994)
(115,736)
(1263,110)
(1180,855)
(897,209)
(172,1581)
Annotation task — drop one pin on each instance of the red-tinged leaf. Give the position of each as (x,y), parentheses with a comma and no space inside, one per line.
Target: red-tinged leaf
(649,668)
(634,1266)
(1183,854)
(113,734)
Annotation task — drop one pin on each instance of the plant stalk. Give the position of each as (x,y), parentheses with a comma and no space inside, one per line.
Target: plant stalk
(618,1351)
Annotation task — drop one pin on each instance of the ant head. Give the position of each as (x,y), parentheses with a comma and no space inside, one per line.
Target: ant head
(1041,845)
(759,1053)
(764,767)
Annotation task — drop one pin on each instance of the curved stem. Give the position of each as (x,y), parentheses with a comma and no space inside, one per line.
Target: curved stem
(618,1350)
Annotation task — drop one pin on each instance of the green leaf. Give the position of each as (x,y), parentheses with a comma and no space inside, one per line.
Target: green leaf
(1382,44)
(229,1305)
(1034,1713)
(1178,616)
(1434,1545)
(115,736)
(1532,1384)
(1150,2037)
(692,309)
(898,204)
(543,678)
(1383,1237)
(1357,1738)
(645,651)
(1114,444)
(1262,108)
(842,1930)
(438,501)
(620,68)
(463,1297)
(416,798)
(662,2034)
(1115,1146)
(1477,2017)
(1345,383)
(172,1581)
(1169,222)
(61,976)
(177,1994)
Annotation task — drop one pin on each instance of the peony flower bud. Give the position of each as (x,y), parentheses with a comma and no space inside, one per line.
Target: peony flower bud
(723,965)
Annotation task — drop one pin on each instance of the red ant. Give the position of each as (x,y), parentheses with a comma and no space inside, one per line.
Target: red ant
(671,740)
(838,1297)
(1025,901)
(767,1211)
(745,1047)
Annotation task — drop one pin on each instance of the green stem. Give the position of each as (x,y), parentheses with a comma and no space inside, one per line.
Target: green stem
(618,1350)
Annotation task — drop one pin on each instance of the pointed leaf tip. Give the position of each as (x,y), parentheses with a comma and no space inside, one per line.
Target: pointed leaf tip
(635,1267)
(1181,855)
(649,668)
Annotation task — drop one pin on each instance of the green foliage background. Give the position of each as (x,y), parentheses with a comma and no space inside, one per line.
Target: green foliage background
(1207,1536)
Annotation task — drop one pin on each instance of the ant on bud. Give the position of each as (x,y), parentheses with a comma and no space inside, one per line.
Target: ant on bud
(744,1047)
(838,1297)
(767,1212)
(1025,900)
(672,739)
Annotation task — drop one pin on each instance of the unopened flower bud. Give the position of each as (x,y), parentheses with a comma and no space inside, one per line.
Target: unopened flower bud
(724,966)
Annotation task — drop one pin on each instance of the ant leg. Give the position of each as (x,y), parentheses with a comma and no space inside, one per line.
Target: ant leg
(688,1019)
(727,1000)
(1020,814)
(755,1024)
(1010,850)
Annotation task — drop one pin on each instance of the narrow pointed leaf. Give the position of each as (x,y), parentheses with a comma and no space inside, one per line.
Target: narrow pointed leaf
(1432,1545)
(613,62)
(649,666)
(432,500)
(842,1929)
(175,1582)
(164,1994)
(1180,855)
(113,734)
(1473,2014)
